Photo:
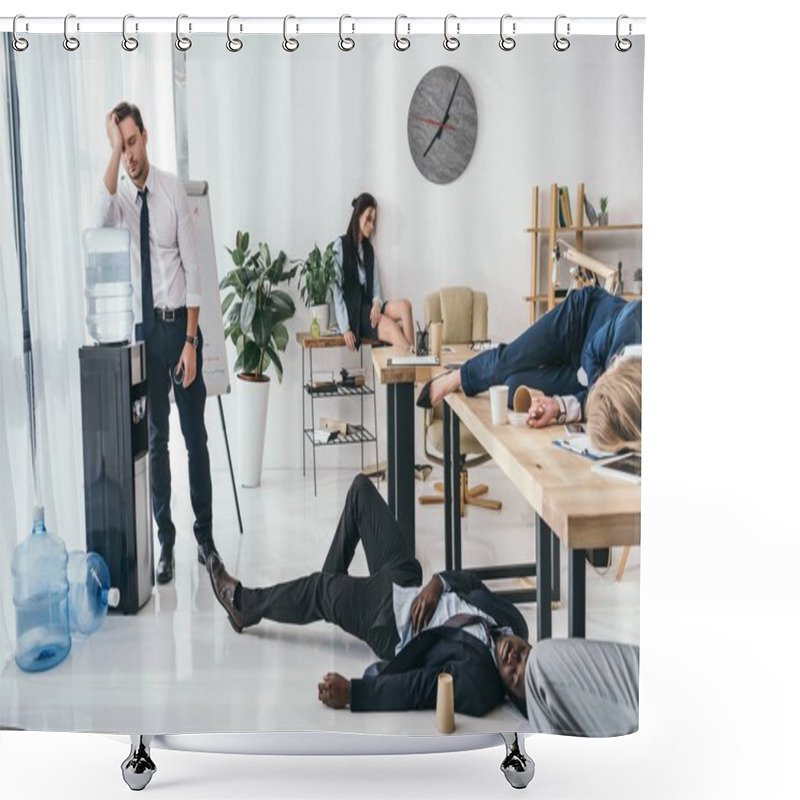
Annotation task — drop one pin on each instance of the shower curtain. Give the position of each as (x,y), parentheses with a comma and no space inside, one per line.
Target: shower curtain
(286,141)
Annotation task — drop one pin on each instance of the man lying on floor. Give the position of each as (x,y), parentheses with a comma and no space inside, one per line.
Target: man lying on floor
(454,624)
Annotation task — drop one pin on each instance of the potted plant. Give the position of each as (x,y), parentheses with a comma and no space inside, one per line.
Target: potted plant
(255,313)
(637,280)
(603,216)
(317,275)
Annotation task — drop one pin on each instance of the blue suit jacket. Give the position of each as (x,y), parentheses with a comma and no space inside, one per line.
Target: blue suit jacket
(409,680)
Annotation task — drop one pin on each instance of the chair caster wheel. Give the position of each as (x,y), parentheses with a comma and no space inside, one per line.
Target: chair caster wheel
(138,768)
(517,766)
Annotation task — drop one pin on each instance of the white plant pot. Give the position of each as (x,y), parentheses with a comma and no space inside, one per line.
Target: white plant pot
(252,400)
(637,287)
(323,315)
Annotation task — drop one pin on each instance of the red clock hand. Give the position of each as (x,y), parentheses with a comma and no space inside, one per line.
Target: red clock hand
(438,124)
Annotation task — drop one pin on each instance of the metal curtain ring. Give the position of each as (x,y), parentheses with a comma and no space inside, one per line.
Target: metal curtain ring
(233,44)
(401,42)
(345,42)
(70,42)
(451,42)
(182,43)
(20,44)
(128,42)
(623,45)
(507,42)
(561,43)
(289,44)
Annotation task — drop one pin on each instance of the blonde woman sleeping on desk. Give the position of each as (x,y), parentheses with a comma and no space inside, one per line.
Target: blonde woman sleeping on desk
(563,355)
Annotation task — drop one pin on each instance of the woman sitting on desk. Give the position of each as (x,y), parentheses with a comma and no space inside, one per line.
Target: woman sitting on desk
(360,310)
(561,356)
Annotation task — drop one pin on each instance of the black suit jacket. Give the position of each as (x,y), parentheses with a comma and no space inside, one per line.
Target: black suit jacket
(409,680)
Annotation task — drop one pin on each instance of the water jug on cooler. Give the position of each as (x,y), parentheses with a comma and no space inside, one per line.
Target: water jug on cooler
(109,295)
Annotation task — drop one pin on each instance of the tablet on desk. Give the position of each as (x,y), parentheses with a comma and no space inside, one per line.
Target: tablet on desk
(628,467)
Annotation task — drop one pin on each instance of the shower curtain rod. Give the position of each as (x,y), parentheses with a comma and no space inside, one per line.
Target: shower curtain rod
(348,25)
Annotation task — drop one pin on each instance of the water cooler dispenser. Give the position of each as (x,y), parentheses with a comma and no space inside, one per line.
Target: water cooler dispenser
(114,415)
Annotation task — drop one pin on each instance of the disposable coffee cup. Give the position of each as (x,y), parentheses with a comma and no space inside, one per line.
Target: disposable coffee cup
(436,338)
(445,716)
(498,397)
(523,398)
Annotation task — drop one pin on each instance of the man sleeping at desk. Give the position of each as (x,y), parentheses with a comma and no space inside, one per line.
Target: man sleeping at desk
(453,624)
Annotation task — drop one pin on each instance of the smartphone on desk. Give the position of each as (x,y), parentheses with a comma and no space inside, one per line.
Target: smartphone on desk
(574,428)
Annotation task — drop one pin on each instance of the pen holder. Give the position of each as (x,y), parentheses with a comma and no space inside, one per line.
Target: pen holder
(422,343)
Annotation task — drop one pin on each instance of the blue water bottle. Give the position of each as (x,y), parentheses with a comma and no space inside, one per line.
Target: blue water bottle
(40,599)
(90,591)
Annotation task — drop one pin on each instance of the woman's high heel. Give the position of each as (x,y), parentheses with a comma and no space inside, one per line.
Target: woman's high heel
(424,399)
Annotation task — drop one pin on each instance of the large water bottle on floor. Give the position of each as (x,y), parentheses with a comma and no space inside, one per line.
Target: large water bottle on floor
(109,295)
(90,591)
(40,599)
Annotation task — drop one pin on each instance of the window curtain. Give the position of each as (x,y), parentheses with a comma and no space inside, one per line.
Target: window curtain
(63,99)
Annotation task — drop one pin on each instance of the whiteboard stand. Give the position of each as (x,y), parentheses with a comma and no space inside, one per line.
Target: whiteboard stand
(230,463)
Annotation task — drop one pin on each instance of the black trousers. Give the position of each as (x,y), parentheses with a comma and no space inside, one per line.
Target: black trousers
(361,606)
(163,351)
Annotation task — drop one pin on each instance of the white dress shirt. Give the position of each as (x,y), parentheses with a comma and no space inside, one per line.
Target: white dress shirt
(174,267)
(448,606)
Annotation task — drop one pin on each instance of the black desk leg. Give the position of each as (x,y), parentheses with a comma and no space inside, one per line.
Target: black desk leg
(577,593)
(555,544)
(455,472)
(391,445)
(544,544)
(401,458)
(448,492)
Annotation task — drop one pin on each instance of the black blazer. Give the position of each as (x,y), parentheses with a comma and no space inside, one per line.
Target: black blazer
(351,286)
(409,680)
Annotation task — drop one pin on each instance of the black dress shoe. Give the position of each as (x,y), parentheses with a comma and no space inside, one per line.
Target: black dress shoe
(166,564)
(224,587)
(204,551)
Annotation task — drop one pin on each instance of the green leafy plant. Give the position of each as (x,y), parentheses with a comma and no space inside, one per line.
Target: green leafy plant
(317,276)
(604,204)
(637,274)
(255,311)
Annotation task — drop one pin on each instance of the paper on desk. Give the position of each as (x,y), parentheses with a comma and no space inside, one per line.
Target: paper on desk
(579,443)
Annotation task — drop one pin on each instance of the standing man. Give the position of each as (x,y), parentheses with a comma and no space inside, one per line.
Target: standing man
(152,205)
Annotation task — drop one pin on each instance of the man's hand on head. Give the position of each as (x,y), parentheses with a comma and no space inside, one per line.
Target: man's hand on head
(113,132)
(334,690)
(425,604)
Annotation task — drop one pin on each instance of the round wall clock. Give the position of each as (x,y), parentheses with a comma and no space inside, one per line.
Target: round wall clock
(442,124)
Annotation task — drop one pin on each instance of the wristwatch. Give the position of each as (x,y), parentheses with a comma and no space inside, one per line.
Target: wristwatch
(194,341)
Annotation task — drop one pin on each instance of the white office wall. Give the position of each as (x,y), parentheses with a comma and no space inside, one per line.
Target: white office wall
(287,140)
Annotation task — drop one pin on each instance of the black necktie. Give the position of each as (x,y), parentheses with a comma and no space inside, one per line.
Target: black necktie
(148,312)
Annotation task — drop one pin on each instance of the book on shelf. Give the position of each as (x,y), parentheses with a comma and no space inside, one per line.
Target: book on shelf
(569,207)
(564,208)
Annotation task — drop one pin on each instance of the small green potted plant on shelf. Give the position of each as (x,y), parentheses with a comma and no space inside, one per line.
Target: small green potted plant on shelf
(317,276)
(255,313)
(637,280)
(602,218)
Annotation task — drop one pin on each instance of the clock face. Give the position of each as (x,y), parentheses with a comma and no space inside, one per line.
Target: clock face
(442,125)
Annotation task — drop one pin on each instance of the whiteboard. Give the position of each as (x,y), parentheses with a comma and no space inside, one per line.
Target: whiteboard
(215,357)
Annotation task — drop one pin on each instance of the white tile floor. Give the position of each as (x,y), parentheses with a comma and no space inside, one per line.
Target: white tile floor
(177,666)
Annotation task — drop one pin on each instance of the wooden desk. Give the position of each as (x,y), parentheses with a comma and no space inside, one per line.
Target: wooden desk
(583,509)
(400,437)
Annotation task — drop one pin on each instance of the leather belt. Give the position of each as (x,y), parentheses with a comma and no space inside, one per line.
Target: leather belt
(170,314)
